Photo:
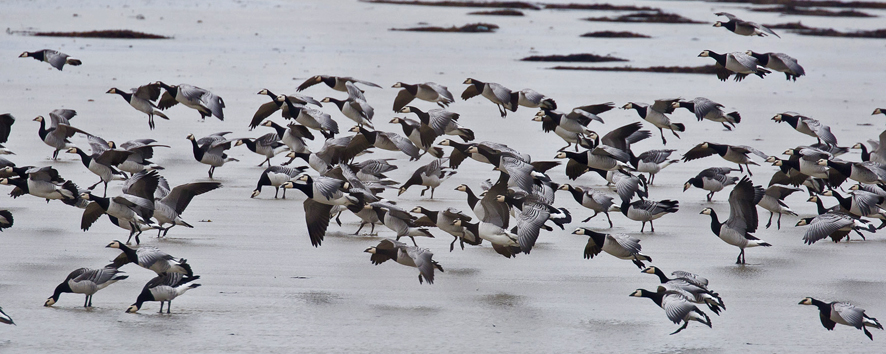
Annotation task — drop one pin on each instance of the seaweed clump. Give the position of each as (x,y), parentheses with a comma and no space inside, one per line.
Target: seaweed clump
(585,58)
(469,28)
(645,17)
(614,34)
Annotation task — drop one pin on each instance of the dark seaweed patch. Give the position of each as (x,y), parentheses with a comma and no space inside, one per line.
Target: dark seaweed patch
(645,17)
(469,28)
(599,7)
(125,34)
(613,34)
(503,4)
(507,12)
(812,3)
(584,58)
(801,29)
(805,11)
(707,69)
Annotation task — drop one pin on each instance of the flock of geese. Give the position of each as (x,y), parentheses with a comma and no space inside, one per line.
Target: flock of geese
(513,206)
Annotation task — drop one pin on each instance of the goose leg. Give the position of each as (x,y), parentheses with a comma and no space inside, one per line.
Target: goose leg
(608,218)
(276,190)
(161,307)
(432,194)
(643,227)
(86,301)
(425,190)
(166,230)
(90,300)
(779,221)
(727,127)
(663,141)
(372,230)
(284,193)
(651,178)
(211,169)
(168,306)
(710,195)
(685,323)
(55,155)
(770,220)
(591,217)
(452,245)
(651,226)
(359,228)
(749,169)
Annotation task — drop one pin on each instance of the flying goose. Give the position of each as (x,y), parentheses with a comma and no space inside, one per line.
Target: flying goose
(168,208)
(879,111)
(6,219)
(652,161)
(620,246)
(401,222)
(862,204)
(136,202)
(430,176)
(710,110)
(676,306)
(742,220)
(278,104)
(427,91)
(443,122)
(877,152)
(833,224)
(612,149)
(365,139)
(421,135)
(773,201)
(6,122)
(712,179)
(626,184)
(647,210)
(445,219)
(275,176)
(780,62)
(56,136)
(808,126)
(655,114)
(503,98)
(150,258)
(862,172)
(573,125)
(4,318)
(533,99)
(374,170)
(266,145)
(164,287)
(103,161)
(142,100)
(311,118)
(334,151)
(337,83)
(210,150)
(142,150)
(292,135)
(843,313)
(737,63)
(55,58)
(205,102)
(732,153)
(591,199)
(86,281)
(355,106)
(742,27)
(694,286)
(495,219)
(411,256)
(44,182)
(323,193)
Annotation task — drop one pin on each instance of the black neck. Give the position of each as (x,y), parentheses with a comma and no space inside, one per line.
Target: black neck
(715,223)
(198,152)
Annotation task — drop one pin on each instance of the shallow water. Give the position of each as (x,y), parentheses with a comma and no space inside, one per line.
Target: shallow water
(265,288)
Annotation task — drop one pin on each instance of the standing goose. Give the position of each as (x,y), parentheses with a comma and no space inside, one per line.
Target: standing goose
(591,199)
(833,224)
(780,62)
(676,306)
(205,102)
(742,27)
(620,246)
(210,150)
(164,287)
(843,313)
(428,91)
(337,83)
(87,282)
(142,100)
(445,220)
(773,201)
(142,150)
(695,287)
(275,176)
(655,114)
(53,57)
(278,103)
(652,161)
(710,110)
(742,220)
(732,153)
(168,208)
(150,258)
(503,98)
(265,145)
(647,210)
(808,126)
(323,193)
(430,176)
(293,135)
(737,63)
(712,179)
(411,256)
(355,106)
(56,136)
(103,161)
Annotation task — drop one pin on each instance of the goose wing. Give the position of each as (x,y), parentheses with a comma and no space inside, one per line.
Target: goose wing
(629,243)
(742,205)
(529,223)
(317,218)
(853,315)
(422,257)
(181,195)
(676,306)
(824,225)
(703,106)
(149,92)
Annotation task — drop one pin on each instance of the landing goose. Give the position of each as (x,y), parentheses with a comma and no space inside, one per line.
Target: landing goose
(333,152)
(710,110)
(742,220)
(712,179)
(87,282)
(533,99)
(311,118)
(655,114)
(164,287)
(275,176)
(278,104)
(737,63)
(591,199)
(374,170)
(862,204)
(53,57)
(808,126)
(421,135)
(45,182)
(742,27)
(676,306)
(103,161)
(293,135)
(627,185)
(443,122)
(620,246)
(843,313)
(647,210)
(210,150)
(142,150)
(411,256)
(833,224)
(136,202)
(445,221)
(205,102)
(142,100)
(168,208)
(495,220)
(612,151)
(773,201)
(323,193)
(427,91)
(780,62)
(401,222)
(151,258)
(877,152)
(694,286)
(365,139)
(503,98)
(732,153)
(355,106)
(266,145)
(862,172)
(652,161)
(56,136)
(4,318)
(6,122)
(430,176)
(337,83)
